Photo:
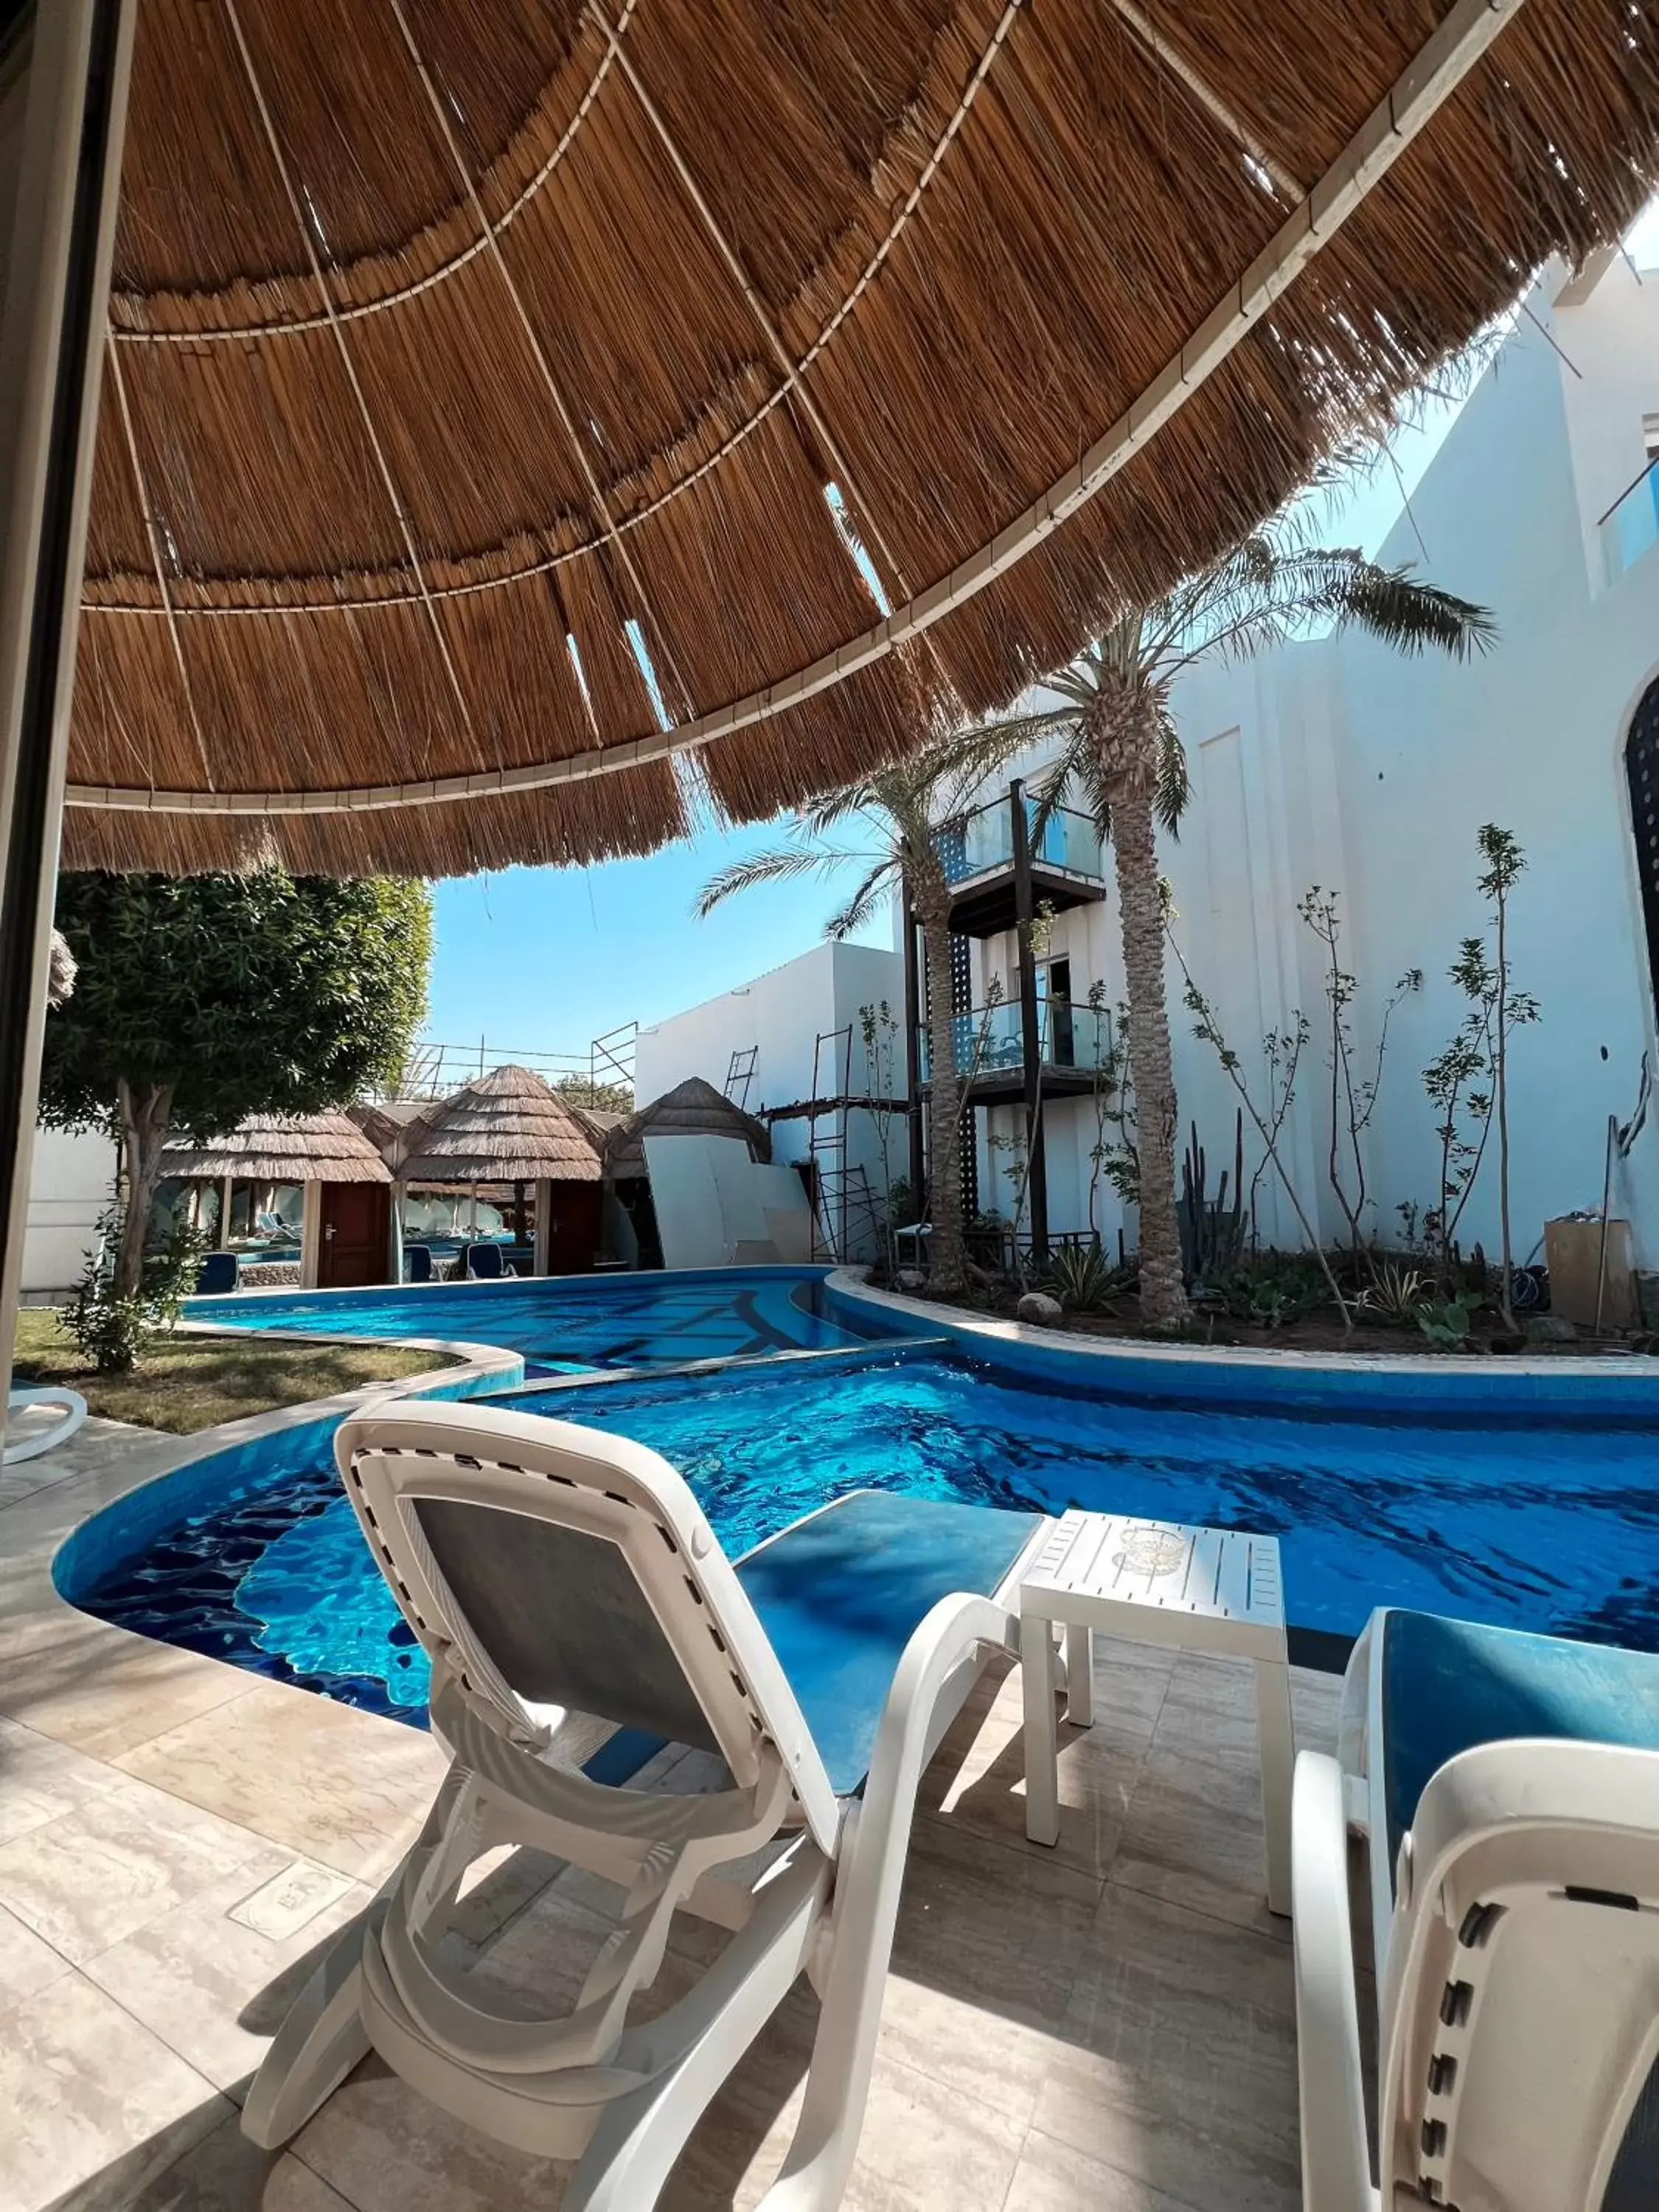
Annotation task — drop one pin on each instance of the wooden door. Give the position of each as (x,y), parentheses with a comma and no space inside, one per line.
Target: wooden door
(356,1235)
(573,1243)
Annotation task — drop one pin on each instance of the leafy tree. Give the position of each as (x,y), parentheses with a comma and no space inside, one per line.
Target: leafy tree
(897,810)
(202,999)
(1118,739)
(597,1095)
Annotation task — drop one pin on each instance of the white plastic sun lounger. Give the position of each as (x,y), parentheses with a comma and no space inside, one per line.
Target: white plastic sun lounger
(1506,1787)
(548,1570)
(72,1409)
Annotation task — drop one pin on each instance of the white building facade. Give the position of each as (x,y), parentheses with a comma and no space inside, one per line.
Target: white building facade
(1334,762)
(820,1030)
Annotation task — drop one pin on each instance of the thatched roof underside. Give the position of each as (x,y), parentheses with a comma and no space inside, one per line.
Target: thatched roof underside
(508,1126)
(449,343)
(691,1109)
(312,1148)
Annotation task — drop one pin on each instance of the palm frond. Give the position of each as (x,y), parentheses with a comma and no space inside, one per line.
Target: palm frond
(876,885)
(1173,785)
(784,863)
(1392,606)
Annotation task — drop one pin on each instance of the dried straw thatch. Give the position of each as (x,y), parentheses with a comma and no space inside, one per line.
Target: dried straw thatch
(508,1126)
(599,1121)
(693,1108)
(269,1148)
(447,343)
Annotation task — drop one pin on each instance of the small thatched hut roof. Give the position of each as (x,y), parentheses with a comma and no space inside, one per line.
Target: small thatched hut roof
(508,1126)
(501,398)
(309,1148)
(599,1122)
(392,1126)
(693,1109)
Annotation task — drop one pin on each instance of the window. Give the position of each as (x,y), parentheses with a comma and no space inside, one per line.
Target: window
(1642,767)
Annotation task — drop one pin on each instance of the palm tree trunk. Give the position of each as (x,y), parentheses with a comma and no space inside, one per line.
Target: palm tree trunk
(1125,732)
(144,1125)
(947,1257)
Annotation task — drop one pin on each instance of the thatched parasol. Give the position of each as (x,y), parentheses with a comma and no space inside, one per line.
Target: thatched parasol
(477,375)
(508,1126)
(310,1148)
(693,1108)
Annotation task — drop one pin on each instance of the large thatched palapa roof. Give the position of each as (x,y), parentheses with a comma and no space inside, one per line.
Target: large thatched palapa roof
(508,1126)
(693,1109)
(454,351)
(310,1148)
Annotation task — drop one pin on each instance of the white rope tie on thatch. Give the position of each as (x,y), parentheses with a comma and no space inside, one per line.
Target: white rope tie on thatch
(325,292)
(1445,59)
(1289,190)
(355,310)
(153,531)
(795,370)
(609,534)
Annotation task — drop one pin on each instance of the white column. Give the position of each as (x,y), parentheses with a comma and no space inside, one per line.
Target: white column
(311,1236)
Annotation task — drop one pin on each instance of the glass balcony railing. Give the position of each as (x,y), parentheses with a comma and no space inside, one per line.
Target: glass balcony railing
(987,1040)
(1630,528)
(978,843)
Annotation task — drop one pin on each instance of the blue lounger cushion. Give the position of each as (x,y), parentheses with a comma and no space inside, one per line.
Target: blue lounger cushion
(1449,1685)
(840,1592)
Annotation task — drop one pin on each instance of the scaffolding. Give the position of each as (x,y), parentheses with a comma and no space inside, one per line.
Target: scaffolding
(845,1210)
(739,1074)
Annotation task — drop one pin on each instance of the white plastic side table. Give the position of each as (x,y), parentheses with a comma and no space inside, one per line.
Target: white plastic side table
(1156,1582)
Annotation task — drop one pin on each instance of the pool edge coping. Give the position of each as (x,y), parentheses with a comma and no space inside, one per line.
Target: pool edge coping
(849,1283)
(54,1512)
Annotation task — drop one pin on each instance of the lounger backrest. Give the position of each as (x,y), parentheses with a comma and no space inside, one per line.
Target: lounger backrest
(418,1263)
(220,1273)
(484,1261)
(1521,2010)
(543,1564)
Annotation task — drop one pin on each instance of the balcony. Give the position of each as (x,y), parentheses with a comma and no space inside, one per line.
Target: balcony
(1628,528)
(1073,1044)
(1068,863)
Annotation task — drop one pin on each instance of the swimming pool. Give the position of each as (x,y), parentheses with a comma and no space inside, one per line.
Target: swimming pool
(1508,1508)
(563,1323)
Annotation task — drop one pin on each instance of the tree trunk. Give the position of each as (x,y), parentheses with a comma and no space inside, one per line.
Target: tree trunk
(145,1123)
(947,1257)
(1125,733)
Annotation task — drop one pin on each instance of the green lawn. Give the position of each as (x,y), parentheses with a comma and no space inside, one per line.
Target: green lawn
(190,1382)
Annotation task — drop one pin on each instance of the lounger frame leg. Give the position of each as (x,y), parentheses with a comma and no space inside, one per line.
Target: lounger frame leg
(315,2048)
(1276,1739)
(865,1908)
(1038,1686)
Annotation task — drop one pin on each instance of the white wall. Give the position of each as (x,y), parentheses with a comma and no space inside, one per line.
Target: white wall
(1334,762)
(70,1186)
(782,1013)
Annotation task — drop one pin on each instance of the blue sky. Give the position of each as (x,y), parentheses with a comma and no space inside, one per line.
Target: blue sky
(540,960)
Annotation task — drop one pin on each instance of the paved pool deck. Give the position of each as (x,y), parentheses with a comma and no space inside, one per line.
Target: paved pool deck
(1108,2027)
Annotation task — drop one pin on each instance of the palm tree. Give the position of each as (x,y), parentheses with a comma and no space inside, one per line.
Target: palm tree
(1120,744)
(898,807)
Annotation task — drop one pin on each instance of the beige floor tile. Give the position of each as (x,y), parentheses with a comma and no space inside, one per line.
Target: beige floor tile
(1053,2177)
(41,1780)
(104,1690)
(1316,1707)
(27,1963)
(984,1788)
(227,2173)
(119,1861)
(342,1786)
(1193,1835)
(1178,2066)
(385,2148)
(95,2105)
(212,1989)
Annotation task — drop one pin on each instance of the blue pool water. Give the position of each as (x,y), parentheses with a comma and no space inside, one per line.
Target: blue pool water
(561,1323)
(1506,1508)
